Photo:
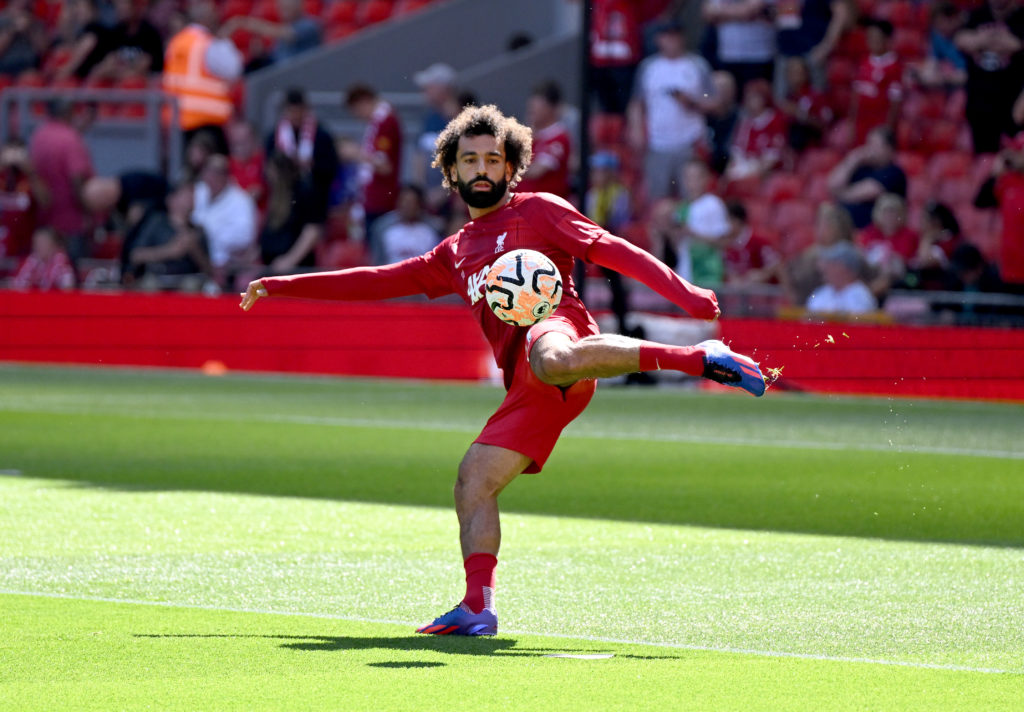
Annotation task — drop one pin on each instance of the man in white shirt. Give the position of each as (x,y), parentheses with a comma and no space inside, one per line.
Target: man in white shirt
(666,115)
(844,291)
(404,232)
(225,212)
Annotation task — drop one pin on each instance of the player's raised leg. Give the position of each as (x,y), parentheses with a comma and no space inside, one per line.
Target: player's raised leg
(558,360)
(484,472)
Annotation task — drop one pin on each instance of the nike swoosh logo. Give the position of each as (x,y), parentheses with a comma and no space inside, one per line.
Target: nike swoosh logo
(459,263)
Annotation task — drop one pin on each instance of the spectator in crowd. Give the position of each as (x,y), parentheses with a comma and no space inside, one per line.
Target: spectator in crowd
(440,92)
(226,214)
(940,236)
(552,145)
(406,232)
(806,109)
(22,194)
(688,235)
(381,156)
(164,249)
(1005,189)
(22,38)
(616,48)
(969,271)
(992,40)
(745,35)
(608,203)
(865,173)
(200,146)
(749,258)
(47,267)
(810,29)
(300,136)
(62,160)
(945,66)
(722,119)
(878,85)
(666,116)
(760,137)
(295,33)
(246,160)
(136,48)
(199,70)
(293,226)
(92,39)
(843,292)
(888,244)
(801,274)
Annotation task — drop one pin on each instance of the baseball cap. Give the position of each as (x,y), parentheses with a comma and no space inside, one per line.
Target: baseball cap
(604,159)
(438,73)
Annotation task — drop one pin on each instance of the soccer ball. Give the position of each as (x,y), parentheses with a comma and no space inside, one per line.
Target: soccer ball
(523,287)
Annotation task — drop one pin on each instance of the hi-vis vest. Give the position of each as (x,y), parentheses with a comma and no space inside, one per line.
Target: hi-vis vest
(202,97)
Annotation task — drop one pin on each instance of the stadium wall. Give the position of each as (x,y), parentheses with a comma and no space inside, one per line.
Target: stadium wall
(441,341)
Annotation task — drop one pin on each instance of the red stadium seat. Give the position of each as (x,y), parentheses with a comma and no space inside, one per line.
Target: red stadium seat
(913,164)
(796,239)
(909,43)
(760,213)
(941,135)
(780,187)
(793,214)
(840,136)
(314,8)
(235,8)
(949,164)
(373,11)
(340,31)
(405,7)
(267,10)
(955,105)
(818,161)
(342,12)
(955,190)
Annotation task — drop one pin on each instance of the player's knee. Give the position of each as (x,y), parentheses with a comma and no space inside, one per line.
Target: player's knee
(472,482)
(554,364)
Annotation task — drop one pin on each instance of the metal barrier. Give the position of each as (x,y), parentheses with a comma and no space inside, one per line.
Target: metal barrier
(117,143)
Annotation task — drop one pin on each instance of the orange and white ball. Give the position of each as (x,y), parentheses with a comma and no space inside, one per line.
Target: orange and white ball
(523,287)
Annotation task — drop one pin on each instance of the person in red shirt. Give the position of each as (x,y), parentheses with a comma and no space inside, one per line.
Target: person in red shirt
(245,161)
(552,147)
(878,84)
(887,243)
(48,266)
(616,48)
(62,159)
(1008,171)
(805,108)
(21,194)
(381,167)
(550,368)
(749,258)
(760,136)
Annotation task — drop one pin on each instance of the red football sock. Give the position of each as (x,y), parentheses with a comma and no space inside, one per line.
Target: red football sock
(688,359)
(480,581)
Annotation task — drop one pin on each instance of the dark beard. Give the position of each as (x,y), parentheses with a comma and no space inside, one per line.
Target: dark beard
(484,198)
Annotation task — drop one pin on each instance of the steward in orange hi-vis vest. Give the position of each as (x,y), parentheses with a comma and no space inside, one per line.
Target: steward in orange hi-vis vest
(203,97)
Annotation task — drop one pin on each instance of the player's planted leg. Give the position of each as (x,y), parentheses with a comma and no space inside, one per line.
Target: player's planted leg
(483,474)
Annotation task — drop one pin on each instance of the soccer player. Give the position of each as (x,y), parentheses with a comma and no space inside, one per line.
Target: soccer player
(549,368)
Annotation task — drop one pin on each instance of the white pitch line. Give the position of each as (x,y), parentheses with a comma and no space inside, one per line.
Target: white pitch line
(571,433)
(562,636)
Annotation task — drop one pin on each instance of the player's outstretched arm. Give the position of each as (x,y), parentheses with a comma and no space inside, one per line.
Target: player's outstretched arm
(416,275)
(254,291)
(625,257)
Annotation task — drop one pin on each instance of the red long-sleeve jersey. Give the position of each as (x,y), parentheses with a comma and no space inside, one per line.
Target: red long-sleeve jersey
(460,263)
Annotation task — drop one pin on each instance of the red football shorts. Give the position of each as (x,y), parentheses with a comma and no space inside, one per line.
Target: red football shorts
(533,414)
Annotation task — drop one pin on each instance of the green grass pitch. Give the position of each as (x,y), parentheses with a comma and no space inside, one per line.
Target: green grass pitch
(175,541)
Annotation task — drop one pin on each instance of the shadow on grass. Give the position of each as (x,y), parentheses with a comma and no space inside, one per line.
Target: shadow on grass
(441,644)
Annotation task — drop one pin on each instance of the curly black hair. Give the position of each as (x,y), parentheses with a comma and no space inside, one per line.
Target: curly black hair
(484,121)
